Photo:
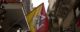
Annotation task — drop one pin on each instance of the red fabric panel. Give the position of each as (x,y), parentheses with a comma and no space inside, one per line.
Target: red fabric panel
(44,20)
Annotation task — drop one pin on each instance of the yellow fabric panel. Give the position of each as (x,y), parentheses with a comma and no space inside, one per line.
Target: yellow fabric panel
(30,16)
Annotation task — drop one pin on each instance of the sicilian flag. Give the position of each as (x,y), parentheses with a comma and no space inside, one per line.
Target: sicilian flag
(32,17)
(43,23)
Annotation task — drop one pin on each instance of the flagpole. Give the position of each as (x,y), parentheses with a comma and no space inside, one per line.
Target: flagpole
(25,18)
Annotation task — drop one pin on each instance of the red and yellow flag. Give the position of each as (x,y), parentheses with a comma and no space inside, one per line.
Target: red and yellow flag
(31,18)
(43,23)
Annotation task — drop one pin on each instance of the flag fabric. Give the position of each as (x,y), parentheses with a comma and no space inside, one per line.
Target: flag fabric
(43,23)
(31,18)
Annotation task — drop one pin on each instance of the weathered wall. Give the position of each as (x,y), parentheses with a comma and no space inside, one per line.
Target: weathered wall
(13,16)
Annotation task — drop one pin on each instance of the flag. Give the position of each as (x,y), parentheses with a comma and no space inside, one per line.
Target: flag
(43,23)
(31,18)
